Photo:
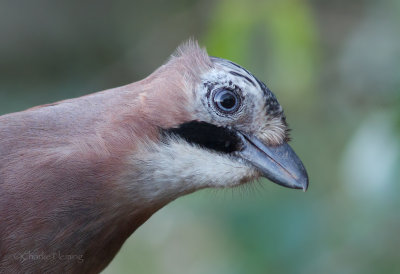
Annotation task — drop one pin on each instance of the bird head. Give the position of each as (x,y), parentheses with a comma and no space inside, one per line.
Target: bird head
(220,127)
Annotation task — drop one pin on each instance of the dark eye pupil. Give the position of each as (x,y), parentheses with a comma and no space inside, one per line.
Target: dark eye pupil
(226,100)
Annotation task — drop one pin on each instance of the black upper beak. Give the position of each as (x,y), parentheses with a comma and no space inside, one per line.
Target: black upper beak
(279,164)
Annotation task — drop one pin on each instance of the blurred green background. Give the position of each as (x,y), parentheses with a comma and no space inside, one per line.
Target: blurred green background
(335,68)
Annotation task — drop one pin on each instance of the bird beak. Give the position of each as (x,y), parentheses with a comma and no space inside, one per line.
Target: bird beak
(279,164)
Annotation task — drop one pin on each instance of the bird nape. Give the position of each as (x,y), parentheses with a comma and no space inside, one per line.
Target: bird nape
(79,176)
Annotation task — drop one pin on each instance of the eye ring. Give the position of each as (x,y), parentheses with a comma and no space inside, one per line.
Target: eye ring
(226,101)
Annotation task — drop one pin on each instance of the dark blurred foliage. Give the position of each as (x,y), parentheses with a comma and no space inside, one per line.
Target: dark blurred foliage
(334,66)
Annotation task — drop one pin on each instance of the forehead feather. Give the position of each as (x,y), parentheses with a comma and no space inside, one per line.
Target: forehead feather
(259,89)
(195,61)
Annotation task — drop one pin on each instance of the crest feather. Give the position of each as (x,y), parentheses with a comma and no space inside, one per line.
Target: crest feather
(193,58)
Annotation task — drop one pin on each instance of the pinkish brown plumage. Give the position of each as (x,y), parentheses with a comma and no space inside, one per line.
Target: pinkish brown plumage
(79,176)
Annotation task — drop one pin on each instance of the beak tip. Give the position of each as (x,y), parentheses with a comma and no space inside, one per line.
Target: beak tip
(305,187)
(304,183)
(294,184)
(300,183)
(299,180)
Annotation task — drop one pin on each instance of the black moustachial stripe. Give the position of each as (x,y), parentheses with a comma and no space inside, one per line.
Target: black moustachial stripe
(207,135)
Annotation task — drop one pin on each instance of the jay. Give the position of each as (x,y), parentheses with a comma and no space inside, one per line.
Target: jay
(78,177)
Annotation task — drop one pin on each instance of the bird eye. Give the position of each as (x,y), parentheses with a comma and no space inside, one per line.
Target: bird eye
(226,100)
